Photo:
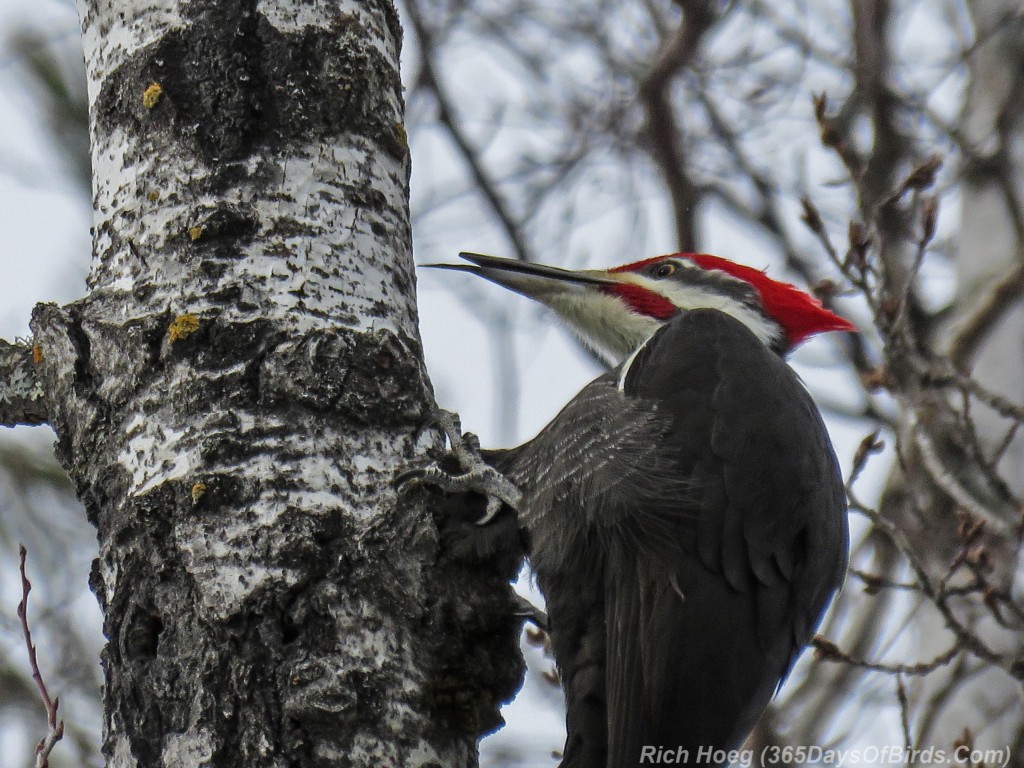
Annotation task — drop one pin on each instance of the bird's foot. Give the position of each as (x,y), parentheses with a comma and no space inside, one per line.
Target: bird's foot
(476,475)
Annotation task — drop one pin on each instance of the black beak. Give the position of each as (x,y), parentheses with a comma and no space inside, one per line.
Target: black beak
(536,281)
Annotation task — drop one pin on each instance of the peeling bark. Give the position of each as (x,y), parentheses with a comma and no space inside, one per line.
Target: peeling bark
(237,390)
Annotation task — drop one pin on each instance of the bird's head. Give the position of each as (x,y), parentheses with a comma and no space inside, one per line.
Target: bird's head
(616,310)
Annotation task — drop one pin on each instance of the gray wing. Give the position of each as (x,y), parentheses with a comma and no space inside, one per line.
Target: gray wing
(598,447)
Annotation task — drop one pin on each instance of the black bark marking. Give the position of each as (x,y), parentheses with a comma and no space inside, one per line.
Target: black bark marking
(364,376)
(233,84)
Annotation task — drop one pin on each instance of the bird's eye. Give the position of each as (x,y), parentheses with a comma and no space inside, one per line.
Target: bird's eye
(664,270)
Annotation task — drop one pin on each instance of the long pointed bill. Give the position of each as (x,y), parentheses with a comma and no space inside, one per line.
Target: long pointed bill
(585,299)
(535,281)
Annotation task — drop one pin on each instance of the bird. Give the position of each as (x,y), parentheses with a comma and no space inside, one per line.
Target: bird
(685,511)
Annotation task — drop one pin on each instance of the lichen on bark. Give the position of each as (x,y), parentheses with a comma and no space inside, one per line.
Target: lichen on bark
(21,391)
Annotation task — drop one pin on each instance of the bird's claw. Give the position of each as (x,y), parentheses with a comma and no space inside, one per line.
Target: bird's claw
(476,476)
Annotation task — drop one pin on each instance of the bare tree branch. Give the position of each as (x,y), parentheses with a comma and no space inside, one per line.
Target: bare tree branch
(904,702)
(447,117)
(1003,296)
(829,651)
(663,130)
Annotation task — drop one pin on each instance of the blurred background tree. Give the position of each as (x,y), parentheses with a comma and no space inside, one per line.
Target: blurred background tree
(871,149)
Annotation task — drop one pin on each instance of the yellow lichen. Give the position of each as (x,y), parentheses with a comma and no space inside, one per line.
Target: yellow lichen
(182,326)
(402,137)
(196,232)
(37,354)
(153,195)
(197,492)
(152,95)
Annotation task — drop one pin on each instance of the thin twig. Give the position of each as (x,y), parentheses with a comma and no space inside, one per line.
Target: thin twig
(1004,445)
(929,211)
(663,131)
(975,329)
(874,583)
(938,375)
(55,728)
(901,697)
(971,444)
(829,651)
(966,640)
(450,121)
(945,477)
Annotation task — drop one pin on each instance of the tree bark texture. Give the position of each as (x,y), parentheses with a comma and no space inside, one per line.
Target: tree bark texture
(21,393)
(235,393)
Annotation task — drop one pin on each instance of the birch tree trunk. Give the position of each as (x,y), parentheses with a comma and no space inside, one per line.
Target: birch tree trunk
(234,394)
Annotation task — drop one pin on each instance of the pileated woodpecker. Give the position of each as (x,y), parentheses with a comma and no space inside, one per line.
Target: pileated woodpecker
(685,510)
